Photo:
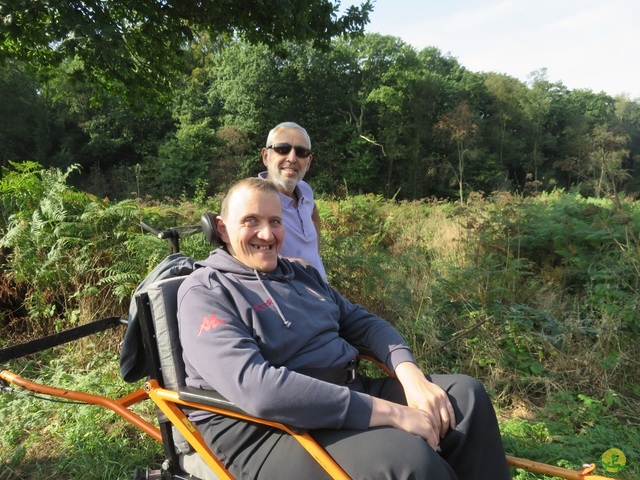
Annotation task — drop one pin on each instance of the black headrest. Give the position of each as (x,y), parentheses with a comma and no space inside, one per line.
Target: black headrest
(208,222)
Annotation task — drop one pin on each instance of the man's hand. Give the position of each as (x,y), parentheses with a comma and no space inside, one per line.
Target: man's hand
(411,420)
(426,396)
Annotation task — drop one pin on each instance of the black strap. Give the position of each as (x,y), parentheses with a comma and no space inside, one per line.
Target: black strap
(44,343)
(338,375)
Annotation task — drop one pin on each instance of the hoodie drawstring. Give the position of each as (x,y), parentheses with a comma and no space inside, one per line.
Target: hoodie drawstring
(286,322)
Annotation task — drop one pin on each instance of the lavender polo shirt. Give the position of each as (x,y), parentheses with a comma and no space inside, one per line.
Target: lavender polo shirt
(301,237)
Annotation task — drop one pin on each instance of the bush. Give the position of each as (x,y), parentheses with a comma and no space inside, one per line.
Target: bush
(536,297)
(76,257)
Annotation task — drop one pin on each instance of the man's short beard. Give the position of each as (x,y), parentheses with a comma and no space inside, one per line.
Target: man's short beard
(285,184)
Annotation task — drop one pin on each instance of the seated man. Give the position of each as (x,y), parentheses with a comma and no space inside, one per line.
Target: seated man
(274,338)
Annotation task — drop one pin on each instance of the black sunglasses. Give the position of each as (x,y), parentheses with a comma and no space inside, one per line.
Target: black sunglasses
(285,148)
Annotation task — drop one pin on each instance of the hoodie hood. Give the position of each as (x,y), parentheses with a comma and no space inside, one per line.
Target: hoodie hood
(228,265)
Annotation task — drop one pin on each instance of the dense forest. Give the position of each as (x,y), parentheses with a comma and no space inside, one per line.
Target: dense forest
(384,118)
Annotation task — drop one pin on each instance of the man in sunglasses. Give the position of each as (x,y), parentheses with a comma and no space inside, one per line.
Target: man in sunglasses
(287,156)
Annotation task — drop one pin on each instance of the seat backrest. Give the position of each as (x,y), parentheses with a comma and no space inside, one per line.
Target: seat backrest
(134,358)
(163,302)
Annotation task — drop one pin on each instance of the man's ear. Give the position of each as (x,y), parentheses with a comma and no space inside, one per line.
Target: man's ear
(309,163)
(222,230)
(265,155)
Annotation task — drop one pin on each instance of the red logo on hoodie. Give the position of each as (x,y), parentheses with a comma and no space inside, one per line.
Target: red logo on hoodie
(263,305)
(209,322)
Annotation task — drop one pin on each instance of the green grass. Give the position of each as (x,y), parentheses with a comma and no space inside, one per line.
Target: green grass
(573,431)
(46,440)
(42,440)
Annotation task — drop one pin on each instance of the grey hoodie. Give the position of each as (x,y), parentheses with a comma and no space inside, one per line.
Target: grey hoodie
(244,334)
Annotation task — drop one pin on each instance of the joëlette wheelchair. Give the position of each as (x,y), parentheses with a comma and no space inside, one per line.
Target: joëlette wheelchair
(187,456)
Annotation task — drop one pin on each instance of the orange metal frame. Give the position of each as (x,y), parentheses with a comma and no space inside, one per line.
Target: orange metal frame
(168,401)
(582,474)
(120,406)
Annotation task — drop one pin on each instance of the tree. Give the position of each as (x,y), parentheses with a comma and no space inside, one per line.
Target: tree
(505,123)
(537,106)
(390,106)
(608,149)
(252,86)
(460,128)
(627,114)
(137,46)
(22,112)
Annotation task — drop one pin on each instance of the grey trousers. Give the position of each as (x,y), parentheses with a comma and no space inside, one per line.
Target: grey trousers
(473,451)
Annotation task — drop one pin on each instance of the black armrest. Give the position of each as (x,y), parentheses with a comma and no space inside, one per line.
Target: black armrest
(210,398)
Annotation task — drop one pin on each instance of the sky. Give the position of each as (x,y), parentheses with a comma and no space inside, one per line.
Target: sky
(584,44)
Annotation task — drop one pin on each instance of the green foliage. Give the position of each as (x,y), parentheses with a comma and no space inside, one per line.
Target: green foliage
(183,161)
(78,257)
(21,189)
(58,242)
(46,440)
(355,255)
(576,429)
(588,247)
(535,296)
(137,47)
(384,118)
(22,117)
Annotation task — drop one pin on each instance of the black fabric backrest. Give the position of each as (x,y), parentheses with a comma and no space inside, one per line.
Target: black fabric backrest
(133,359)
(163,301)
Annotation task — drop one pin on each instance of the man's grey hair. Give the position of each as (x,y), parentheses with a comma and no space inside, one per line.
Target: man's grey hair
(286,125)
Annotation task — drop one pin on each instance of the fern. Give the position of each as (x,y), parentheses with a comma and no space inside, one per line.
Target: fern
(61,245)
